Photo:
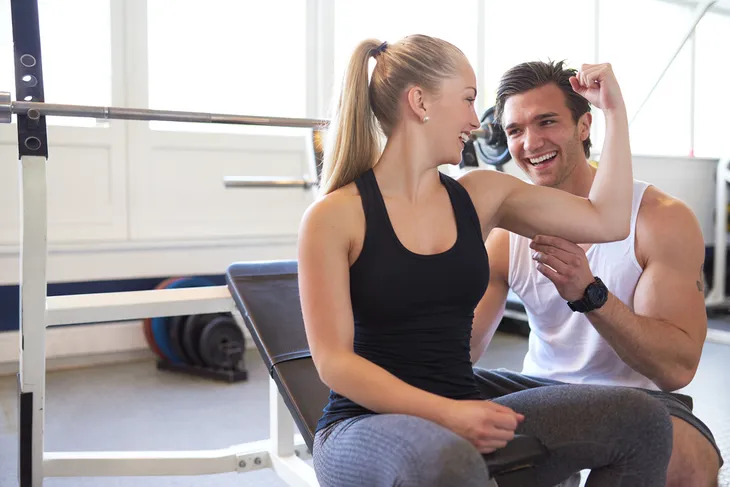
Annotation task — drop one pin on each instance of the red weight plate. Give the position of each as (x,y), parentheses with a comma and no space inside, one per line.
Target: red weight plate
(147,322)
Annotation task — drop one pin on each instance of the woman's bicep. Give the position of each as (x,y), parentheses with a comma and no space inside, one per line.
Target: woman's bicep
(324,283)
(508,202)
(531,210)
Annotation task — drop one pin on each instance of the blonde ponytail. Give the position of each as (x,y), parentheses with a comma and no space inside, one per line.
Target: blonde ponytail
(367,111)
(353,136)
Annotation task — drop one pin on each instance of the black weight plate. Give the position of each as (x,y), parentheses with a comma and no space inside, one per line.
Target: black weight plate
(191,334)
(469,156)
(221,343)
(175,328)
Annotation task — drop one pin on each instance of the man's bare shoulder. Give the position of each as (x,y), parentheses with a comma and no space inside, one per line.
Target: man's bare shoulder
(666,227)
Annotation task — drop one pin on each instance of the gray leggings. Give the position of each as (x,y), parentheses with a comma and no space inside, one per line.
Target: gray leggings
(622,435)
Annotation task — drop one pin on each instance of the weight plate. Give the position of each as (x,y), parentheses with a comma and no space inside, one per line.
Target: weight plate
(222,343)
(175,327)
(147,323)
(159,324)
(493,149)
(192,328)
(469,156)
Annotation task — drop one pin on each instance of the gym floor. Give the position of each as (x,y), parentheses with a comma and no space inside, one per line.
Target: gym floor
(136,407)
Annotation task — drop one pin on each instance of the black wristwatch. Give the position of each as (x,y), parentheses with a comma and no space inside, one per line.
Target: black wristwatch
(594,297)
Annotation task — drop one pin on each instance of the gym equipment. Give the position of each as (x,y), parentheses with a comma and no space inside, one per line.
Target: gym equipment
(215,354)
(487,144)
(174,336)
(191,330)
(40,109)
(176,340)
(147,324)
(159,325)
(267,295)
(490,141)
(222,343)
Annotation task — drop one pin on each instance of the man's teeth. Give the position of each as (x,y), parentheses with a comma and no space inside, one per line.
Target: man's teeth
(464,137)
(538,160)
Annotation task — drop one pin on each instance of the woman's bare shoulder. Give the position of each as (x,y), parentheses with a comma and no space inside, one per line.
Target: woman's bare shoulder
(334,214)
(487,190)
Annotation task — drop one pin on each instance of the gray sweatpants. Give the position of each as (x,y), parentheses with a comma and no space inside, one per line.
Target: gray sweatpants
(622,435)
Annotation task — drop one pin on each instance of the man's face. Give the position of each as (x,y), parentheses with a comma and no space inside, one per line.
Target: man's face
(542,137)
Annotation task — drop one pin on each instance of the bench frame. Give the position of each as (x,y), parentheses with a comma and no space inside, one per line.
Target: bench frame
(284,451)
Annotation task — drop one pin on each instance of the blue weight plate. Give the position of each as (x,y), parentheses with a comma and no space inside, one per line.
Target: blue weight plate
(159,325)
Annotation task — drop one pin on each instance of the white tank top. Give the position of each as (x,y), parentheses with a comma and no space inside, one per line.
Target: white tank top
(563,344)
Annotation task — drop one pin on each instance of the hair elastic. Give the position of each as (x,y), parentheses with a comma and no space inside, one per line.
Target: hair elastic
(381,48)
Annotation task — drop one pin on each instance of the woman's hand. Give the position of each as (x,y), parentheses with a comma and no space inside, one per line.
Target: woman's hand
(597,84)
(487,425)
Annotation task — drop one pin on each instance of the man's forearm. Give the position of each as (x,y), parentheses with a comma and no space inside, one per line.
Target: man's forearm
(653,347)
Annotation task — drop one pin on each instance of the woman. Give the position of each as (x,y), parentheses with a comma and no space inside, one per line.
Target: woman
(392,264)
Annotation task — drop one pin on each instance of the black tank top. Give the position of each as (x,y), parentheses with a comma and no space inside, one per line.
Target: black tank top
(413,313)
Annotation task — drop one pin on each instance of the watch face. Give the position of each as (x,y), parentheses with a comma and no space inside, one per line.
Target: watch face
(597,293)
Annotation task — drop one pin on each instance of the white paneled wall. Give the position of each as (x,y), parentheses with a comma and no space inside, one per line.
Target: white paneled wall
(163,212)
(87,193)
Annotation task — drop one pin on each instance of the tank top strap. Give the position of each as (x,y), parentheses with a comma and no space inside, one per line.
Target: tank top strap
(466,213)
(372,205)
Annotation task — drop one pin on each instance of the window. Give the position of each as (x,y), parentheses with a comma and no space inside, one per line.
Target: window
(712,101)
(390,20)
(536,30)
(638,37)
(76,54)
(224,56)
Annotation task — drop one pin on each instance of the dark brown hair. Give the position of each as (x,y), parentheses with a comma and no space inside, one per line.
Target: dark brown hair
(534,74)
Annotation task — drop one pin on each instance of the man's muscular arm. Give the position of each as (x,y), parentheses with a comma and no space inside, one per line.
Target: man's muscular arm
(662,337)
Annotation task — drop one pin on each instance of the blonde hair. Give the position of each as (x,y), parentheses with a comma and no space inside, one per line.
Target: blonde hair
(367,111)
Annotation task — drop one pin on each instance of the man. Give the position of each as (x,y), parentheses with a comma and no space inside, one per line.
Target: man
(628,313)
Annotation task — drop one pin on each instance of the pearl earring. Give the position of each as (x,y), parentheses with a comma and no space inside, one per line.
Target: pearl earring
(425,119)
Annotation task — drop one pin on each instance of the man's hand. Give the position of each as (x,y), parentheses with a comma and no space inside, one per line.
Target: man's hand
(564,263)
(597,84)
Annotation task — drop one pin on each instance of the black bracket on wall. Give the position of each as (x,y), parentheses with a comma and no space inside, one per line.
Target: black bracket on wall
(32,136)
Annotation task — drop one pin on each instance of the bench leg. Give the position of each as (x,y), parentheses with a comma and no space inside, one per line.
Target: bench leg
(284,457)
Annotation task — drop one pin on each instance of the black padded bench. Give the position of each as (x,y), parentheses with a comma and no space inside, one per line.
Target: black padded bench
(267,296)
